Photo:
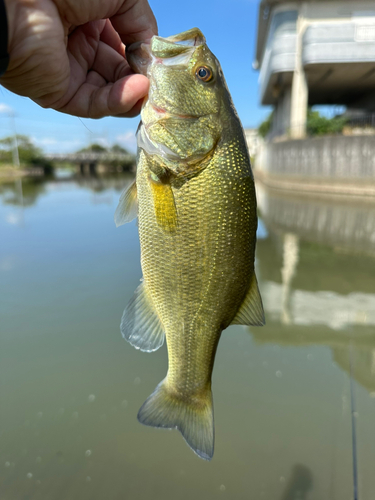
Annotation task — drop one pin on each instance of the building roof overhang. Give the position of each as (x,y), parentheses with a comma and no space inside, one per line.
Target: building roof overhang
(264,12)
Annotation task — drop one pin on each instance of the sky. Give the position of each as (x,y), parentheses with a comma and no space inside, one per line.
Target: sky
(230,30)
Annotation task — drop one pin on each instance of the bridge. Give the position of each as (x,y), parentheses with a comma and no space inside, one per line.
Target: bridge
(89,161)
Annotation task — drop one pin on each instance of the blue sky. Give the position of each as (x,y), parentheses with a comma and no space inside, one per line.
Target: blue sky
(230,30)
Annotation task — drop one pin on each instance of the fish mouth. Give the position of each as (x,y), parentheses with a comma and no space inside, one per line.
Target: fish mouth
(170,51)
(139,57)
(175,50)
(175,47)
(163,112)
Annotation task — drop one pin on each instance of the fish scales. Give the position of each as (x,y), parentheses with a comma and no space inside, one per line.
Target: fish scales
(197,227)
(195,303)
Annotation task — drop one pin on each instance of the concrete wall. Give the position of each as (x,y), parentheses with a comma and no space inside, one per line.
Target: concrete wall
(329,157)
(338,43)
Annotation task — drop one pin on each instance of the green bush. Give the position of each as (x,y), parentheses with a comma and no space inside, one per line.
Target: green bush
(320,125)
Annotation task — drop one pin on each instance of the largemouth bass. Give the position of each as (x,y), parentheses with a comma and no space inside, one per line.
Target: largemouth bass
(195,199)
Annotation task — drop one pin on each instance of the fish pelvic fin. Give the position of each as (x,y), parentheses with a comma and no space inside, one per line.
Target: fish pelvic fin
(251,311)
(140,324)
(192,416)
(127,208)
(165,208)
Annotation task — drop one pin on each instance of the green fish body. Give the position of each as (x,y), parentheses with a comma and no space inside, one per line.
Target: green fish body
(197,225)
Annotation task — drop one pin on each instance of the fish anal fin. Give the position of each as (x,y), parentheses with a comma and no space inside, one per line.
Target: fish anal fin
(140,324)
(251,311)
(127,208)
(193,417)
(164,204)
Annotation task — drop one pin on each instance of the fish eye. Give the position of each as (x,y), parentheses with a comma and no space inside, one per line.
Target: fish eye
(204,73)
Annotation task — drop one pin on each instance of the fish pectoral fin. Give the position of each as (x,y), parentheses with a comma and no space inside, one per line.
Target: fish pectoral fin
(140,324)
(164,204)
(127,208)
(251,311)
(192,417)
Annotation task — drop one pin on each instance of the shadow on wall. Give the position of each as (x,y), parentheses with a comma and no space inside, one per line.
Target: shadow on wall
(299,484)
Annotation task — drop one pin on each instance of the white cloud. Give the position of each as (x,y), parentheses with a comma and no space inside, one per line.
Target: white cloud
(13,218)
(103,141)
(56,145)
(4,108)
(45,141)
(128,139)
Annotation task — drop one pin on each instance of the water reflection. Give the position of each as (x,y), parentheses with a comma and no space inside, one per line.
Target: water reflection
(71,387)
(27,191)
(22,193)
(320,295)
(346,225)
(299,484)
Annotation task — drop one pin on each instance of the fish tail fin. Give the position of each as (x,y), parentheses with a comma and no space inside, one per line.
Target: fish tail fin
(193,417)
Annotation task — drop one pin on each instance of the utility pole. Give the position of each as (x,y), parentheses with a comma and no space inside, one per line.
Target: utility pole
(15,155)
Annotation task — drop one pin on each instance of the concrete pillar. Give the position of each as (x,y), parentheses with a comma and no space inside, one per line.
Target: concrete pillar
(276,119)
(287,109)
(300,94)
(92,168)
(281,113)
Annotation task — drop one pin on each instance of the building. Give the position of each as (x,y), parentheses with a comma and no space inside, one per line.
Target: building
(315,52)
(253,140)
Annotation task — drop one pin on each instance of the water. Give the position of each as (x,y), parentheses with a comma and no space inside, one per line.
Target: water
(294,400)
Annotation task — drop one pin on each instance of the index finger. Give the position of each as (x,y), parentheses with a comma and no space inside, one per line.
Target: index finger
(135,21)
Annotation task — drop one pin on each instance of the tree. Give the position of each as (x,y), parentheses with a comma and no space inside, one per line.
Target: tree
(29,154)
(93,148)
(266,125)
(116,148)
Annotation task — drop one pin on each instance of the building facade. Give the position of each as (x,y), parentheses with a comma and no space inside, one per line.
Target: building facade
(253,141)
(315,52)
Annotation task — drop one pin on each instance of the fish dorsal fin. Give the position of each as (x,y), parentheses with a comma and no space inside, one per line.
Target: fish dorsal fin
(127,208)
(140,324)
(251,311)
(165,208)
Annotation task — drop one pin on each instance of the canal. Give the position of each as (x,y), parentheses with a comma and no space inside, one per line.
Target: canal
(294,400)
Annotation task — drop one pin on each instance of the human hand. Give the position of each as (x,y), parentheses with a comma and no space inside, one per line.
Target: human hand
(69,55)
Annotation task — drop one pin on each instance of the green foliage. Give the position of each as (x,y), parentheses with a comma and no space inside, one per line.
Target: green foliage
(116,148)
(114,163)
(265,126)
(98,148)
(29,154)
(93,148)
(320,125)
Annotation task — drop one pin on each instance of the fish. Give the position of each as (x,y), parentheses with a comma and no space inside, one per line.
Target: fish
(195,200)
